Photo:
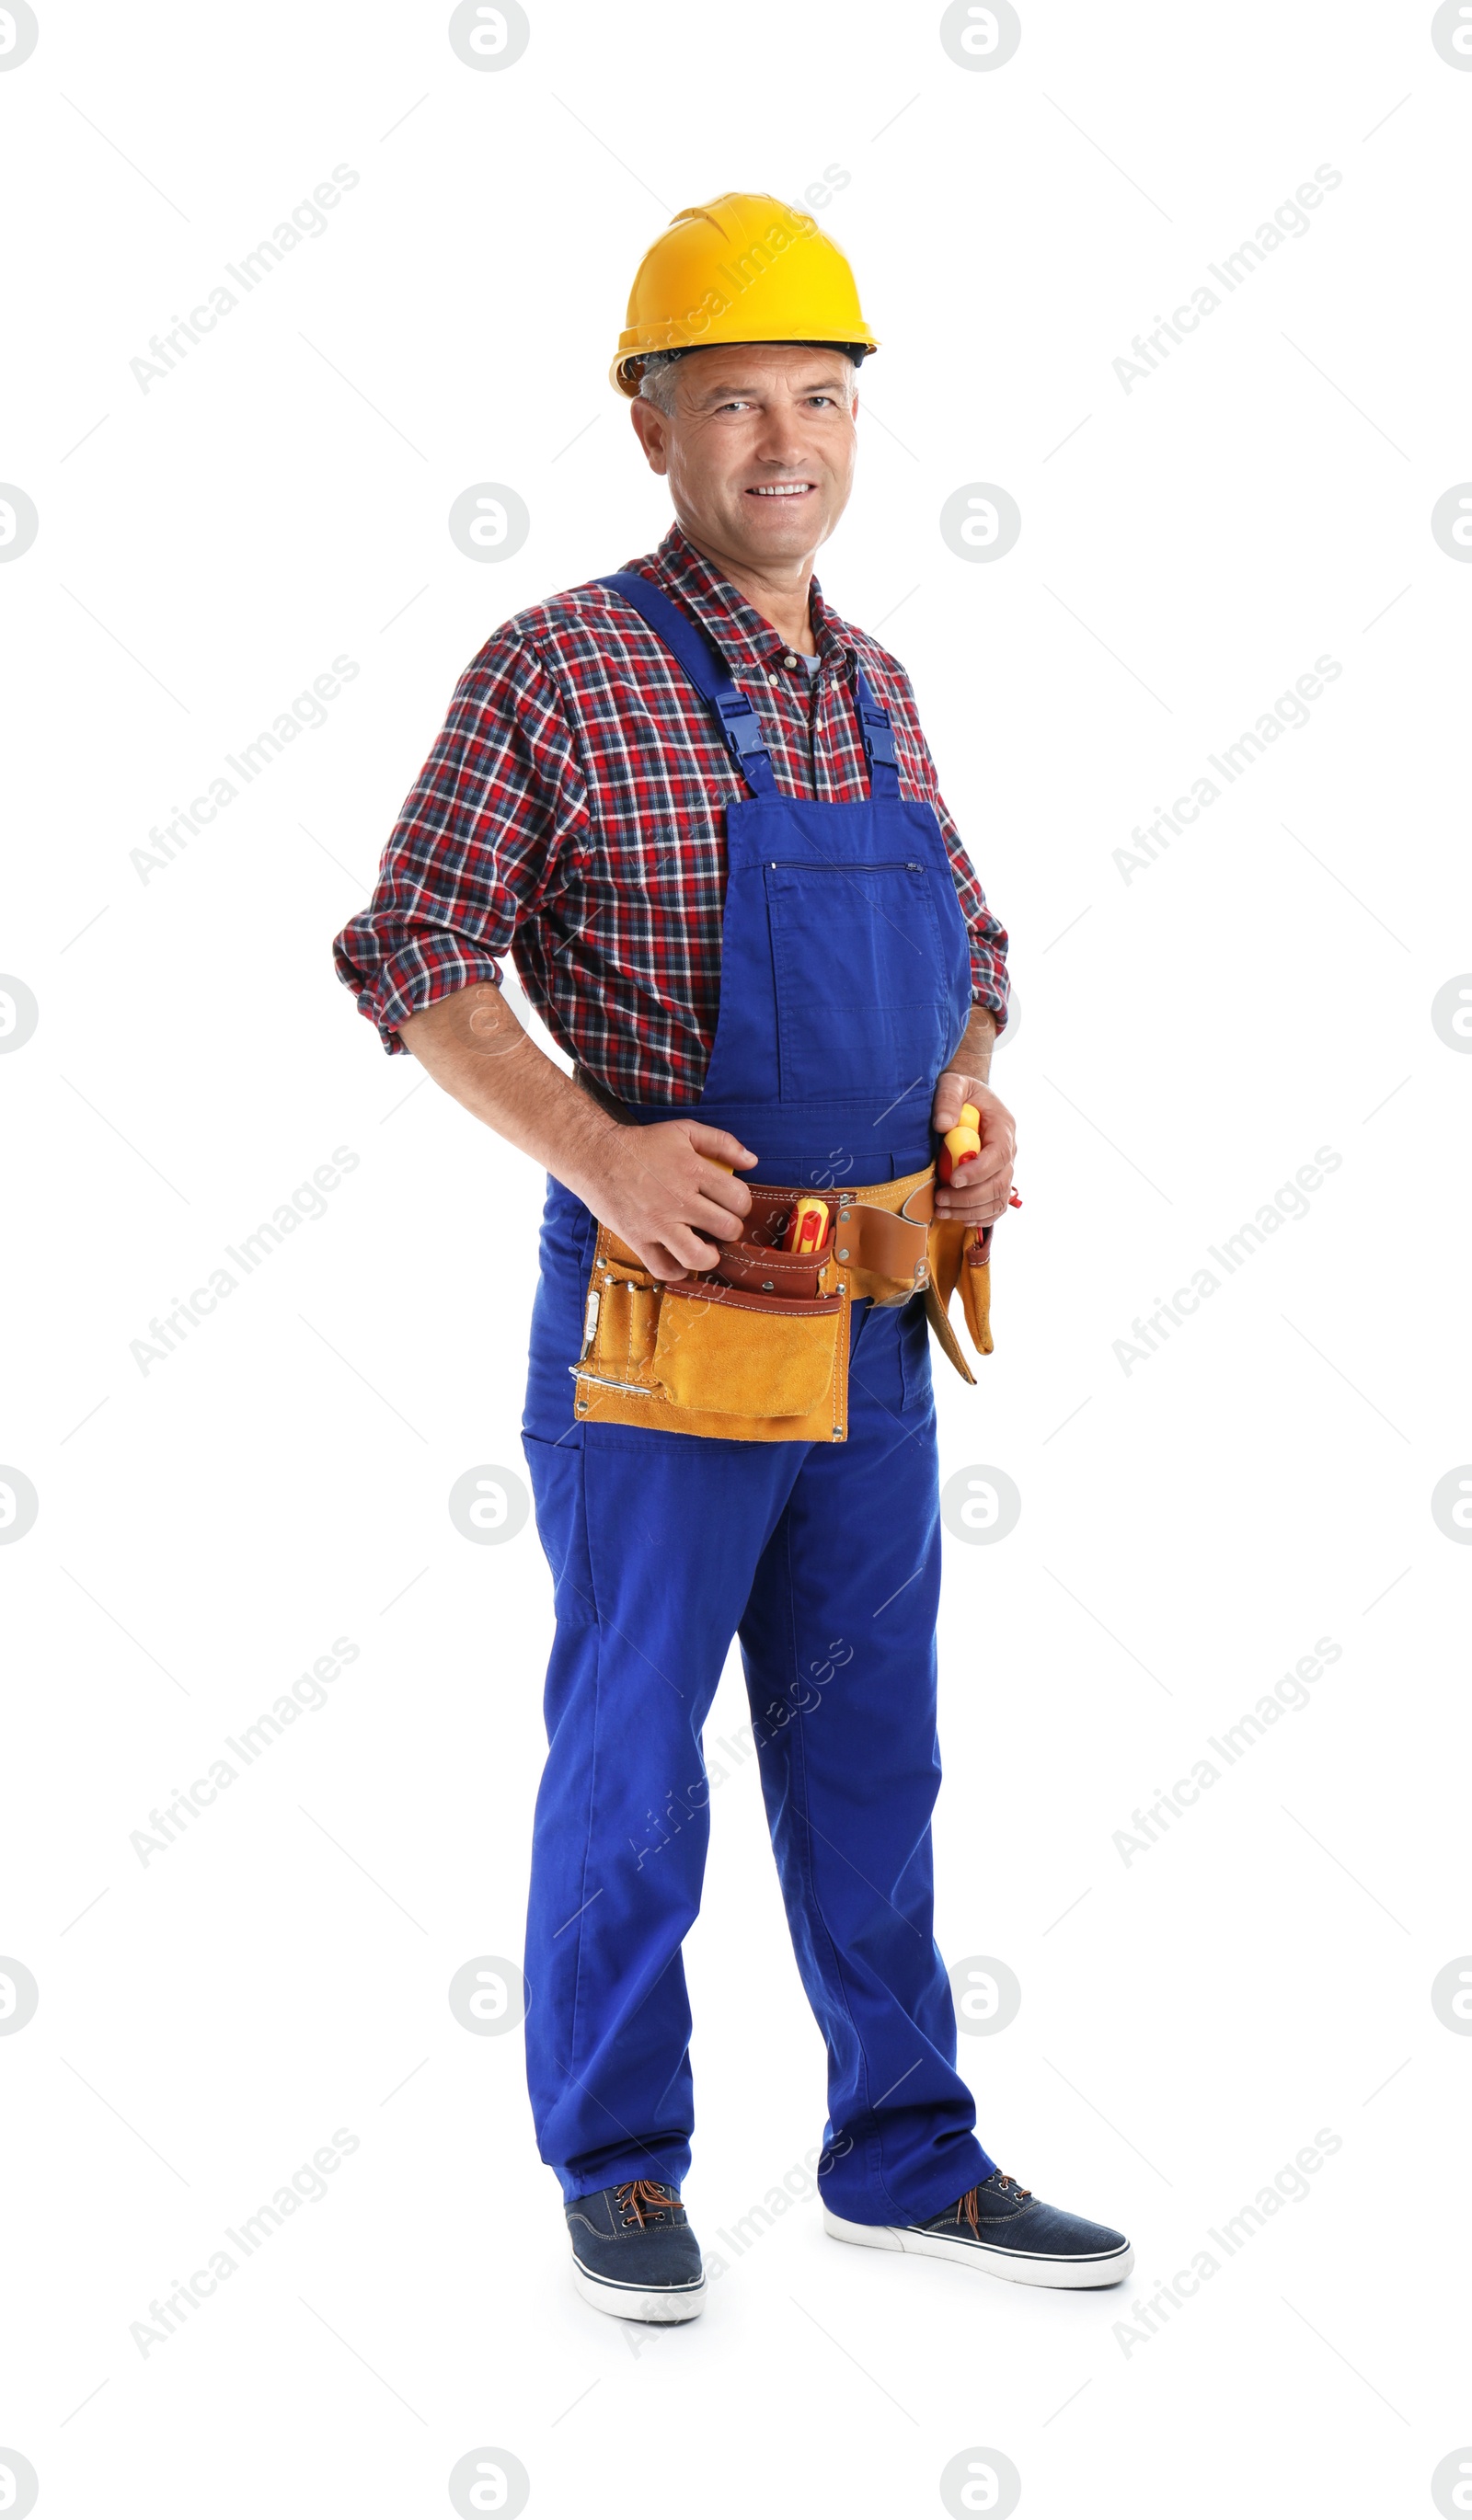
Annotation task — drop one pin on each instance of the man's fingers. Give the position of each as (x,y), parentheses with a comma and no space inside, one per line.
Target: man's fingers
(721,1145)
(982,1207)
(689,1249)
(979,1172)
(711,1197)
(974,1206)
(951,1091)
(977,1176)
(977,1191)
(715,1189)
(963,1211)
(708,1213)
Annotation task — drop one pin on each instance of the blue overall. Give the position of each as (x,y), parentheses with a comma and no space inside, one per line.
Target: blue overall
(844,987)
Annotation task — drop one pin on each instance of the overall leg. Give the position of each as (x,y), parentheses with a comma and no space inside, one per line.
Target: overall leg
(840,1651)
(653,1542)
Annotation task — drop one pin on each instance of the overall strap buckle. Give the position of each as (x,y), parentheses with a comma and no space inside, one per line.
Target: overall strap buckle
(878,740)
(742,728)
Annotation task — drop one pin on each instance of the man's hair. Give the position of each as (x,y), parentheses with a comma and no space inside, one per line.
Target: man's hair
(657,377)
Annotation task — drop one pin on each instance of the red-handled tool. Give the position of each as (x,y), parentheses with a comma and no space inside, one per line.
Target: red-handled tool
(808,1225)
(960,1142)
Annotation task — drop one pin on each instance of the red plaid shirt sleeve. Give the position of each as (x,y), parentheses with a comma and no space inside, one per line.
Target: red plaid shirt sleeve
(479,847)
(987,936)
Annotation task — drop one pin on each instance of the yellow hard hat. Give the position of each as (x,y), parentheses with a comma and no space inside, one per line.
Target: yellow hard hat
(743,267)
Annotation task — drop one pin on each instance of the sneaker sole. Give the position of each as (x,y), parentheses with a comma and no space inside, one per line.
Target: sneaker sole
(665,2308)
(1013,2266)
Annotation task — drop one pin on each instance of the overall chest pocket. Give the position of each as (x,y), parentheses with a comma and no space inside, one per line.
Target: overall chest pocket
(859,977)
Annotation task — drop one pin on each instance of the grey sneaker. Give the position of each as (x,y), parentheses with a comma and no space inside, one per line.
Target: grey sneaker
(634,2254)
(1008,2231)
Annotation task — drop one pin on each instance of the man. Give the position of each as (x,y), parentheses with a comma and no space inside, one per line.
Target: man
(698,810)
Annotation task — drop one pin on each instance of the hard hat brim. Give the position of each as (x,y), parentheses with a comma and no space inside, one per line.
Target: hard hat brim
(627,370)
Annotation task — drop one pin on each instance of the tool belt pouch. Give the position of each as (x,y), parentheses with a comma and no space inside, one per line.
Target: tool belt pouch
(757,1349)
(759,1361)
(960,1254)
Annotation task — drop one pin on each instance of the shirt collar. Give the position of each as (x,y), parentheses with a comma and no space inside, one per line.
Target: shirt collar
(742,634)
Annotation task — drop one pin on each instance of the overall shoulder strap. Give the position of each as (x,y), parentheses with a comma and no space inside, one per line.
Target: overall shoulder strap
(879,739)
(696,654)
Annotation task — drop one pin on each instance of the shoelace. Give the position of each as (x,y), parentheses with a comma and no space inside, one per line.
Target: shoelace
(1007,2187)
(642,2197)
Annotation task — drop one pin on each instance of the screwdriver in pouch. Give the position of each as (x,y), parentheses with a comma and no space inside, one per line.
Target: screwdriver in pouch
(807,1227)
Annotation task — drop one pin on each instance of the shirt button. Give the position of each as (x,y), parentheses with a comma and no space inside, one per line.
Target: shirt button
(773,678)
(790,663)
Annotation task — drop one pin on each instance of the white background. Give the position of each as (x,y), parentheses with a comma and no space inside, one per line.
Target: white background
(1187,1040)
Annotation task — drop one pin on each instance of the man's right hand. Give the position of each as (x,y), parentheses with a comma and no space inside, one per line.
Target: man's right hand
(661,1191)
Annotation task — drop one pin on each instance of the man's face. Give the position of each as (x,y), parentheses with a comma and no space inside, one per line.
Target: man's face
(760,449)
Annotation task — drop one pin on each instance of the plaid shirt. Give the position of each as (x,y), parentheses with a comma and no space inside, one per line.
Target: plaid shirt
(571,814)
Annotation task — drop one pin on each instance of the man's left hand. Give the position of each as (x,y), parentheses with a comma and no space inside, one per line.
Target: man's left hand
(977,1189)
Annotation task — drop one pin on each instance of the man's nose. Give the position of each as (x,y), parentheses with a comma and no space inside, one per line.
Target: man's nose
(779,441)
(783,455)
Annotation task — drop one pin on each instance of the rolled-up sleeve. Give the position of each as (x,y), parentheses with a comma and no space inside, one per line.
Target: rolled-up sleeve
(985,931)
(477,847)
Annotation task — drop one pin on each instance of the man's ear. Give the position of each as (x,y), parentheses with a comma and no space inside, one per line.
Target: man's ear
(649,423)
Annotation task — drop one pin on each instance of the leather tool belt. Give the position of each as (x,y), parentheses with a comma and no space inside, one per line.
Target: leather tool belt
(756,1347)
